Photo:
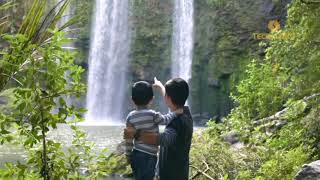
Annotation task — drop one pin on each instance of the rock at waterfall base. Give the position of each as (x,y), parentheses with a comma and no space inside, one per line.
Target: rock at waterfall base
(309,171)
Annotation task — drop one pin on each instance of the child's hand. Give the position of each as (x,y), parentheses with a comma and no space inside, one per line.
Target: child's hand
(158,86)
(157,83)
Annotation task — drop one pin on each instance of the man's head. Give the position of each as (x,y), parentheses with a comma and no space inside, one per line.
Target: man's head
(177,92)
(141,93)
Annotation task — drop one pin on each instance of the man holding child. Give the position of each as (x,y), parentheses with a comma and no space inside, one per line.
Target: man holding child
(174,142)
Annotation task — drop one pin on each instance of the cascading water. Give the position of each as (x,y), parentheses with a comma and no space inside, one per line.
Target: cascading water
(108,60)
(182,44)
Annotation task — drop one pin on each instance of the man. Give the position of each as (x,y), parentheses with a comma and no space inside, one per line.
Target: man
(175,141)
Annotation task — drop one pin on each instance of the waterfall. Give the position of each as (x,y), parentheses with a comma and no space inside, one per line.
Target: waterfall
(182,44)
(108,60)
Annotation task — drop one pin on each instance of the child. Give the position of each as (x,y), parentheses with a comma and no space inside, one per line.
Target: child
(143,157)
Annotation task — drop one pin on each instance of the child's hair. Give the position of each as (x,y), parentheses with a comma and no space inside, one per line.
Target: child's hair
(142,93)
(178,90)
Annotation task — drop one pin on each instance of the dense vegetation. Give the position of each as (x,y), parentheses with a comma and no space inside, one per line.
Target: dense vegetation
(274,87)
(277,117)
(34,70)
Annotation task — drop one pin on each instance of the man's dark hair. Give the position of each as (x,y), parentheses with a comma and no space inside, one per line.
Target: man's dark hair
(142,93)
(178,90)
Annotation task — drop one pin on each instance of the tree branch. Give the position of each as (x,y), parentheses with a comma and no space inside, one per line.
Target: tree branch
(310,2)
(16,80)
(280,113)
(202,172)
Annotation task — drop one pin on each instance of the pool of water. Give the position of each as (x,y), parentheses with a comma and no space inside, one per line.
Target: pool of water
(103,137)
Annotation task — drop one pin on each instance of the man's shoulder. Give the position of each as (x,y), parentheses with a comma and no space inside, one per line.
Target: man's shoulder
(175,122)
(182,121)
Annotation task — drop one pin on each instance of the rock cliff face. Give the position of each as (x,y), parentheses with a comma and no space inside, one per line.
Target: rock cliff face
(151,41)
(224,44)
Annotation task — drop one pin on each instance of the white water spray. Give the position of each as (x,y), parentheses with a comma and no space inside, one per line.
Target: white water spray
(108,61)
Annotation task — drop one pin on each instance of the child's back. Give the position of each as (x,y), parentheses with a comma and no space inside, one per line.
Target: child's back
(147,120)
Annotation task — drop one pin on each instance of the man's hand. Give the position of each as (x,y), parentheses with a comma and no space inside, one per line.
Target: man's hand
(149,138)
(129,132)
(128,158)
(157,85)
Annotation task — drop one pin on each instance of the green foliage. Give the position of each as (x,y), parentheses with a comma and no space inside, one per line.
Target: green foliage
(36,76)
(4,20)
(34,30)
(312,126)
(223,48)
(277,113)
(288,72)
(42,85)
(260,94)
(83,9)
(209,149)
(96,164)
(217,2)
(42,75)
(283,164)
(41,107)
(211,154)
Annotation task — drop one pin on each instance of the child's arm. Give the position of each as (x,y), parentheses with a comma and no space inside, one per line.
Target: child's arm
(159,86)
(167,118)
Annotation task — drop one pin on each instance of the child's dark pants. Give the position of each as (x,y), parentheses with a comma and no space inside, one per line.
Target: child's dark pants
(143,165)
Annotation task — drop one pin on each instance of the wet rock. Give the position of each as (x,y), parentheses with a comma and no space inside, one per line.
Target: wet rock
(201,119)
(3,100)
(214,83)
(232,137)
(266,7)
(309,171)
(84,171)
(225,75)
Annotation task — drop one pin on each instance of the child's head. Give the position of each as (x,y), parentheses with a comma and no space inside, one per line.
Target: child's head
(177,92)
(142,93)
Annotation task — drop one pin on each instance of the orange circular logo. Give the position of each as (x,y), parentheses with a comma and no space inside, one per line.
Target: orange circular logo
(274,25)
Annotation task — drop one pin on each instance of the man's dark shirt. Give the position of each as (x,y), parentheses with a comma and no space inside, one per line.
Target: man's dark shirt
(175,144)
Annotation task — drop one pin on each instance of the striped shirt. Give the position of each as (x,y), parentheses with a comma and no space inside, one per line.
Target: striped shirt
(147,120)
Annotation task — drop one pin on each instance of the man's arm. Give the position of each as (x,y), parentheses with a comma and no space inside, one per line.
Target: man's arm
(128,141)
(167,138)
